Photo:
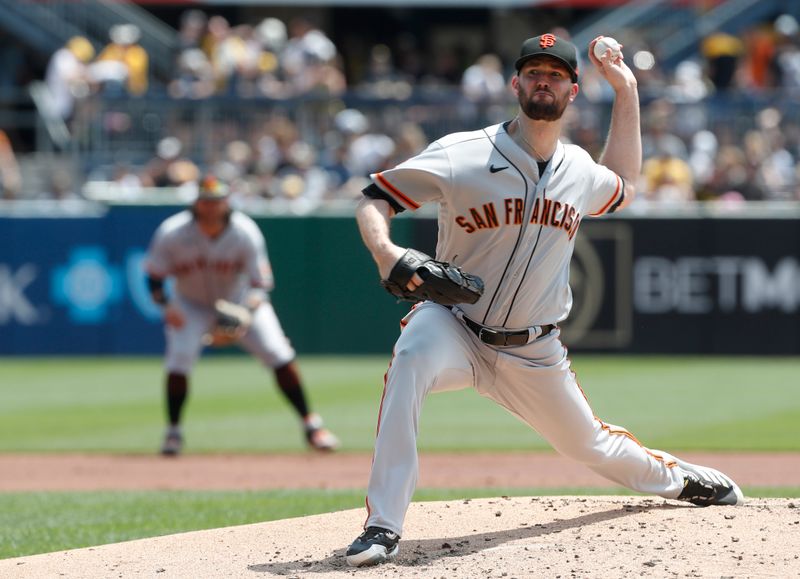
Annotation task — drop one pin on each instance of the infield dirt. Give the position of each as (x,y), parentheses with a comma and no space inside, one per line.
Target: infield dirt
(517,537)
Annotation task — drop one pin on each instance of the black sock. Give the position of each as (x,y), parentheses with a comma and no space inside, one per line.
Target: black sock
(289,383)
(177,389)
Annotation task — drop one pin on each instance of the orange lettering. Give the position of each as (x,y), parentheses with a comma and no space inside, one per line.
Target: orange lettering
(556,208)
(547,206)
(476,217)
(535,213)
(462,221)
(491,215)
(569,217)
(519,205)
(575,226)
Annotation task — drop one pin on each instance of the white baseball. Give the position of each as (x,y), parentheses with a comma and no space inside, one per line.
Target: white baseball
(604,44)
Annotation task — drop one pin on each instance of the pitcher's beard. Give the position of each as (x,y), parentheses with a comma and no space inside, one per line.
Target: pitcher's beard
(542,111)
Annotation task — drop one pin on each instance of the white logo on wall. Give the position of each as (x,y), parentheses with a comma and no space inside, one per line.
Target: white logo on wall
(14,305)
(87,285)
(701,285)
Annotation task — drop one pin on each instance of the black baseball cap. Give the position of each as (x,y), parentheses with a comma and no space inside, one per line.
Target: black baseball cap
(553,46)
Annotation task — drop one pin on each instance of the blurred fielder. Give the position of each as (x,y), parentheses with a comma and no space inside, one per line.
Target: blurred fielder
(218,259)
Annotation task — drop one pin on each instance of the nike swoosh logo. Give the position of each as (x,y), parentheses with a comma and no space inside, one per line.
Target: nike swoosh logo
(493,169)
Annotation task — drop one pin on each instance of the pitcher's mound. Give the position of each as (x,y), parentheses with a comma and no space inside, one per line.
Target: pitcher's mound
(503,537)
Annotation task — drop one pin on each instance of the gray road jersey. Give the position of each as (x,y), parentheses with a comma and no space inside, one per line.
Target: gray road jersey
(209,269)
(499,220)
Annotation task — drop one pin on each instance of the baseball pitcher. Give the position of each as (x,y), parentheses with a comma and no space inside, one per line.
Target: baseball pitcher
(511,198)
(222,276)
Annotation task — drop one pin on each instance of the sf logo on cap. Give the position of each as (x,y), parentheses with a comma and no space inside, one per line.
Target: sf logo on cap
(547,41)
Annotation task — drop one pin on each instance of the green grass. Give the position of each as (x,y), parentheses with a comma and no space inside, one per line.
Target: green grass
(32,523)
(116,405)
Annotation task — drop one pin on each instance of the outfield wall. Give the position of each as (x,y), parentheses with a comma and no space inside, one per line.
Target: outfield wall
(73,284)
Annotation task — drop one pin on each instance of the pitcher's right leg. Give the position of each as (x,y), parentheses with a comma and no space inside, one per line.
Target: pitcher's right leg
(431,354)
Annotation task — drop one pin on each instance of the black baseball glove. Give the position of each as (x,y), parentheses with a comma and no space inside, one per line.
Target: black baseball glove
(442,283)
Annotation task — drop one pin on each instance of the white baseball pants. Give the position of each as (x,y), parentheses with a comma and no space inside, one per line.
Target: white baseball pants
(264,339)
(436,353)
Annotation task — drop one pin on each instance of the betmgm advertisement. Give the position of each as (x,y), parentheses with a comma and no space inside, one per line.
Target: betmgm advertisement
(687,286)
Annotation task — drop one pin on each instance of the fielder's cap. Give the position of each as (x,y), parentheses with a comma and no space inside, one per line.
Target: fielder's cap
(212,188)
(553,46)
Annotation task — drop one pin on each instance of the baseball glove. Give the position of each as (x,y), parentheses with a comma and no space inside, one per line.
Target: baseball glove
(231,322)
(442,283)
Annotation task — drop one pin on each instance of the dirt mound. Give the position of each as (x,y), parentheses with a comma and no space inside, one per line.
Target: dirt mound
(486,538)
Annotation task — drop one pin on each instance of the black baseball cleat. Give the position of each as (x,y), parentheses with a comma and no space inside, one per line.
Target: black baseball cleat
(706,486)
(173,442)
(373,546)
(317,436)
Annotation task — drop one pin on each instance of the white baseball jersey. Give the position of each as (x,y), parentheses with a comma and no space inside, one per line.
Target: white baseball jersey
(500,220)
(206,269)
(485,184)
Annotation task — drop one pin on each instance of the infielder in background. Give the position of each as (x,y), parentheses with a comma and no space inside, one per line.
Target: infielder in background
(218,259)
(511,199)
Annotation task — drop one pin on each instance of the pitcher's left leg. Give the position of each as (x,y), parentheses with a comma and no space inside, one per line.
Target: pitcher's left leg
(550,400)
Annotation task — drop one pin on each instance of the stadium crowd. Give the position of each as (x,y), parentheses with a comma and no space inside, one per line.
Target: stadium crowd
(720,126)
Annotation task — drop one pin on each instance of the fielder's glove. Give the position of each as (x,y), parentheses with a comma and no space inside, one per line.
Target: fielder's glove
(442,283)
(231,322)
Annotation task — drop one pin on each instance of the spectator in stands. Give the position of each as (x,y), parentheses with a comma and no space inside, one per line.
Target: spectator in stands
(368,150)
(381,78)
(667,177)
(67,75)
(722,53)
(310,61)
(10,175)
(409,140)
(733,174)
(169,168)
(342,183)
(658,120)
(191,29)
(702,156)
(787,58)
(689,84)
(124,50)
(221,50)
(194,78)
(300,184)
(272,36)
(760,49)
(775,172)
(238,160)
(484,81)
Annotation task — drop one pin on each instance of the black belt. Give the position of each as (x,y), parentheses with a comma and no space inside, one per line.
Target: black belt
(503,337)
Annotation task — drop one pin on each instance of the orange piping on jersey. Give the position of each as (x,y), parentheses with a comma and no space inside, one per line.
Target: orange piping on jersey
(407,200)
(607,428)
(378,428)
(383,395)
(369,512)
(613,198)
(658,457)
